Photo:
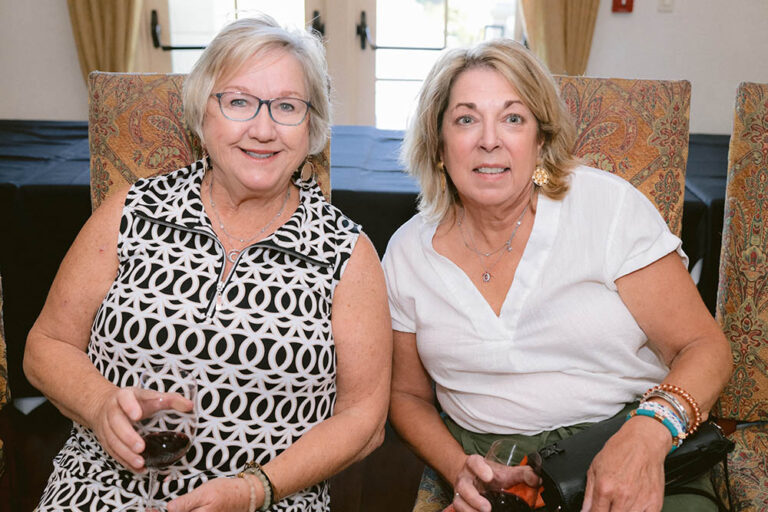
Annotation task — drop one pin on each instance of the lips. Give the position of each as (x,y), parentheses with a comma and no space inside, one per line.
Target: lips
(261,155)
(490,170)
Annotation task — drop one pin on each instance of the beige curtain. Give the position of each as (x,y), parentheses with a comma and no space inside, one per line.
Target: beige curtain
(560,32)
(105,32)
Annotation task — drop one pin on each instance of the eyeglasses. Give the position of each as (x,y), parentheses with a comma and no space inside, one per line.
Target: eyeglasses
(240,106)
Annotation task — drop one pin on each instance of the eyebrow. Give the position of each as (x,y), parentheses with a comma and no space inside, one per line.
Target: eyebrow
(282,94)
(473,106)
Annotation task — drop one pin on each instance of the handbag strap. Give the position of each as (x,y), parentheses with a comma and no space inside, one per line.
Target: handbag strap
(714,498)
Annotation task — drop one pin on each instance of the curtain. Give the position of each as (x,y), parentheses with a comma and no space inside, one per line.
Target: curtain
(105,33)
(560,32)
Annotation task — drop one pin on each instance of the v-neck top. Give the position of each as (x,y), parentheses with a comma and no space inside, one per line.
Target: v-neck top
(564,349)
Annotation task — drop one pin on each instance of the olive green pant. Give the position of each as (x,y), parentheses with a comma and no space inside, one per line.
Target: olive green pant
(473,442)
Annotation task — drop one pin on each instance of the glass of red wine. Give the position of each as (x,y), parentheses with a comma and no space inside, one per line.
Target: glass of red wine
(501,457)
(167,432)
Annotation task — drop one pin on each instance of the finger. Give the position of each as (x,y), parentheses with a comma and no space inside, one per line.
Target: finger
(122,427)
(153,401)
(122,453)
(129,403)
(513,475)
(469,497)
(179,402)
(461,504)
(588,490)
(480,468)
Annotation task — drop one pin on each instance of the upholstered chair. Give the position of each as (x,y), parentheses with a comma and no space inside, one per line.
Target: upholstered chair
(136,130)
(742,300)
(5,392)
(636,129)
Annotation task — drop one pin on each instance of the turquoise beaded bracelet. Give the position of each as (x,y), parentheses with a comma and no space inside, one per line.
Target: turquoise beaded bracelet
(676,440)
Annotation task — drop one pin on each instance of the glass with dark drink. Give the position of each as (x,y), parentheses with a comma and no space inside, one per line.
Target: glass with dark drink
(502,456)
(168,432)
(502,501)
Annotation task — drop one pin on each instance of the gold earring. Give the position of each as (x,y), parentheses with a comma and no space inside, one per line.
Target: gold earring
(441,171)
(307,170)
(540,176)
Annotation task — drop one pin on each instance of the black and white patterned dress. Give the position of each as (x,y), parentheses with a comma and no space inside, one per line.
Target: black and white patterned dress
(261,341)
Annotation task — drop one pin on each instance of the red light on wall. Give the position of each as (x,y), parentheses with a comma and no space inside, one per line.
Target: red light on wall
(622,6)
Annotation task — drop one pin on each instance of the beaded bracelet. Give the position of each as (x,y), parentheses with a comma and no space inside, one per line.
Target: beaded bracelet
(667,413)
(687,398)
(676,441)
(252,489)
(672,401)
(255,469)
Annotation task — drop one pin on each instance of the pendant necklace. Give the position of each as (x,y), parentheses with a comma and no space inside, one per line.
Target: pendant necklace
(486,275)
(232,254)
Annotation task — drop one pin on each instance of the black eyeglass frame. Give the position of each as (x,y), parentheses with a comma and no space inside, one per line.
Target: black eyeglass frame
(268,103)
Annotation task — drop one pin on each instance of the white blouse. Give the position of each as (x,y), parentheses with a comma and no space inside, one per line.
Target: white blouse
(565,348)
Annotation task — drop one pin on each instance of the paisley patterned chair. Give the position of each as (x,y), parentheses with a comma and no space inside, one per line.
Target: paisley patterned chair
(136,130)
(637,129)
(5,393)
(742,299)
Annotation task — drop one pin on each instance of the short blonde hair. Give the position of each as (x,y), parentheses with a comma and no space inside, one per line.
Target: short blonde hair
(537,90)
(241,40)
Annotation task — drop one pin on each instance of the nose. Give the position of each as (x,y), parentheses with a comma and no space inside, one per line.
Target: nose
(261,127)
(489,139)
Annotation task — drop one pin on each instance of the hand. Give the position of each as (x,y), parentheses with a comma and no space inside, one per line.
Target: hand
(628,473)
(118,410)
(477,474)
(220,494)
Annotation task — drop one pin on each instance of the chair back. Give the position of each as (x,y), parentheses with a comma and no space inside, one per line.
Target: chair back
(136,130)
(742,294)
(5,393)
(637,129)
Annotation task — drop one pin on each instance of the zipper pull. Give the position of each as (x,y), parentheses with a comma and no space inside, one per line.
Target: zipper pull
(219,289)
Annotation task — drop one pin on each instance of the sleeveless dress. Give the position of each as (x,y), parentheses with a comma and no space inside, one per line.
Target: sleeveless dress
(259,339)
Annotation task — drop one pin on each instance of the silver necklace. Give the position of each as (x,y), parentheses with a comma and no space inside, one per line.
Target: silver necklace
(486,275)
(232,254)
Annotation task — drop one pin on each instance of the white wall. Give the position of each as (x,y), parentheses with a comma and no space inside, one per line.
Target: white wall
(715,44)
(40,76)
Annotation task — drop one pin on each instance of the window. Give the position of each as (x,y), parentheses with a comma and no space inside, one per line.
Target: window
(425,23)
(196,22)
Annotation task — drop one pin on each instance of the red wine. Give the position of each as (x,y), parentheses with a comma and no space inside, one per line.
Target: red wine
(506,502)
(164,448)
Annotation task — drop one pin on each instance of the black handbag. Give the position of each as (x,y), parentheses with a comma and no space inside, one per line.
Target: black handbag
(563,465)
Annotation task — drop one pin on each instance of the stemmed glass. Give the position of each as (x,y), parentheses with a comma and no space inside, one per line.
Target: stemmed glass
(167,432)
(501,456)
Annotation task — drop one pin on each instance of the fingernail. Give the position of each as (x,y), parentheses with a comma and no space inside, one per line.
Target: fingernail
(137,447)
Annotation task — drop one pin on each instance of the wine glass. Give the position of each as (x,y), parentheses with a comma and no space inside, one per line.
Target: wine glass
(501,457)
(167,432)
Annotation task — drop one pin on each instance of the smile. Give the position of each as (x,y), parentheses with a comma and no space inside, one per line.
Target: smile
(491,170)
(259,155)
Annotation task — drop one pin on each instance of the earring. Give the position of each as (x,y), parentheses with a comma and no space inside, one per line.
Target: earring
(442,173)
(307,170)
(540,176)
(205,161)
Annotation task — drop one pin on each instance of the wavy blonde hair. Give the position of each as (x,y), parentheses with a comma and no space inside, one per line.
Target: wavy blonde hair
(245,38)
(537,89)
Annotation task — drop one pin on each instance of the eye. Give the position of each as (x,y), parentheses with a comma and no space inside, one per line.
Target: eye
(238,102)
(514,119)
(286,105)
(464,120)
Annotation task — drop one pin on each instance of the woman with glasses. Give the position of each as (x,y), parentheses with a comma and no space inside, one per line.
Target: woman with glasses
(237,269)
